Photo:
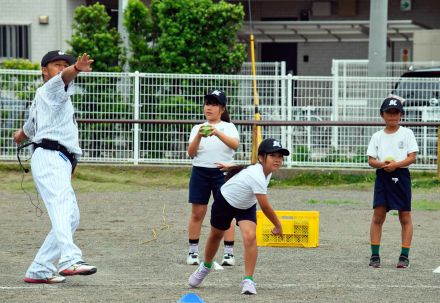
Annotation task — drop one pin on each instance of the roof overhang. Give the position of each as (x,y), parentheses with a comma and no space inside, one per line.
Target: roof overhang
(325,31)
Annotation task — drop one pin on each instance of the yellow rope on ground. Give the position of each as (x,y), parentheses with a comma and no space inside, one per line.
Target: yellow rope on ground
(164,225)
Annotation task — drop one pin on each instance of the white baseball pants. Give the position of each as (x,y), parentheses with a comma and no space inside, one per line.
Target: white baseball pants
(51,172)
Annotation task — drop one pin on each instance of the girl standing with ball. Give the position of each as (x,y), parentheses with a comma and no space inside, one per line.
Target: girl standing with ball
(210,143)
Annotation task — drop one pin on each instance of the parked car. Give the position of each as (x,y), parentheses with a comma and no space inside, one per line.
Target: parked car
(418,91)
(421,90)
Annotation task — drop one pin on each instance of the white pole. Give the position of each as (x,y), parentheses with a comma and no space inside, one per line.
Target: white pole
(136,117)
(122,5)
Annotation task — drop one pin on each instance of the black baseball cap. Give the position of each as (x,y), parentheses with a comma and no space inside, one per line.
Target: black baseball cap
(57,55)
(269,146)
(217,95)
(392,102)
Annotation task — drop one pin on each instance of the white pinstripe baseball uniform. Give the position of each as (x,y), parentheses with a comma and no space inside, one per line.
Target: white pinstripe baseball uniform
(51,116)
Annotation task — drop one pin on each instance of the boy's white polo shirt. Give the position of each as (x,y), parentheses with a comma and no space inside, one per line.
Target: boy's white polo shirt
(397,145)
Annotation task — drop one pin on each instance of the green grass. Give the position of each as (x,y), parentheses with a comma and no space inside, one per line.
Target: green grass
(330,202)
(107,178)
(325,179)
(426,205)
(97,178)
(420,180)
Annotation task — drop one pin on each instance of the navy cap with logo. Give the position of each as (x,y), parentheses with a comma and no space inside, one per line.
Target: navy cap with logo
(217,95)
(57,55)
(269,146)
(392,102)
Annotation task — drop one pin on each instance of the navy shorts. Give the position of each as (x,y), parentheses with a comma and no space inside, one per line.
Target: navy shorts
(222,213)
(393,190)
(203,182)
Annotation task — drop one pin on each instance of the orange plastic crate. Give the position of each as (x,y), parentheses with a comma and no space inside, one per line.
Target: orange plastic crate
(300,229)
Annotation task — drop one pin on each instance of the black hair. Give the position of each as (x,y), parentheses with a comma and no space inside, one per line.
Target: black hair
(225,115)
(233,170)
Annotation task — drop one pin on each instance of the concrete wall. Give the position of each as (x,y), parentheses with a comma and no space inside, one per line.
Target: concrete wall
(60,12)
(424,12)
(427,45)
(43,37)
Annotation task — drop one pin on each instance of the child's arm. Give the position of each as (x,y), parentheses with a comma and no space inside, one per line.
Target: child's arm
(269,213)
(224,166)
(374,163)
(194,145)
(393,165)
(229,141)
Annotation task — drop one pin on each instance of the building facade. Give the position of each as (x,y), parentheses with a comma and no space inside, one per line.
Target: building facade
(28,28)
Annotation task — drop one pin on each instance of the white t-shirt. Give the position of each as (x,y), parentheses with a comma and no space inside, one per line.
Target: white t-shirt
(51,115)
(212,149)
(240,190)
(394,146)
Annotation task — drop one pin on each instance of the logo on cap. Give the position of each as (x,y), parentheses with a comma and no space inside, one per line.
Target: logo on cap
(393,102)
(276,144)
(216,92)
(61,53)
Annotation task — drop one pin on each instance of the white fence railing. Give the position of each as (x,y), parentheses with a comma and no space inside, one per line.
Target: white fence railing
(179,97)
(359,68)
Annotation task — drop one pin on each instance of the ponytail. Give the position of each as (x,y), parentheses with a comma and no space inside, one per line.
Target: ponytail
(233,170)
(225,116)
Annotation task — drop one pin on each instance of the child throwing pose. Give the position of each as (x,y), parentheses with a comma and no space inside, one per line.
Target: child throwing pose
(237,200)
(210,143)
(391,151)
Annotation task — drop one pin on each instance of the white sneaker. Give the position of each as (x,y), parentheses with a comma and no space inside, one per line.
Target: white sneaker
(228,260)
(79,268)
(197,277)
(50,280)
(248,287)
(193,259)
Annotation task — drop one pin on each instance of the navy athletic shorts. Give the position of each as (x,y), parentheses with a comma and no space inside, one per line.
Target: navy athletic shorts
(203,182)
(222,213)
(393,190)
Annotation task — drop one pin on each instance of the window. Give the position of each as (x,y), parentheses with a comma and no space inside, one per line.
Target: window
(14,41)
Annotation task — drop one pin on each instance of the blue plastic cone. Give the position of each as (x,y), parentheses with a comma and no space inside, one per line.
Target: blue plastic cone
(190,298)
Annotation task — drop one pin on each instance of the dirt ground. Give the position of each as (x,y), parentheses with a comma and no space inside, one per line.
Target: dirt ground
(116,229)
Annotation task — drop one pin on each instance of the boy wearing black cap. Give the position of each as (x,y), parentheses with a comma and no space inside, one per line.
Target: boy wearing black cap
(391,151)
(52,128)
(237,198)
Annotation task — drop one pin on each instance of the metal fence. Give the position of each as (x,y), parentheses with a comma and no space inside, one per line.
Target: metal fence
(359,68)
(265,68)
(179,97)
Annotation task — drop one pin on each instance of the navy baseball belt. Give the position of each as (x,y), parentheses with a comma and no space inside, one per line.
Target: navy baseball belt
(54,145)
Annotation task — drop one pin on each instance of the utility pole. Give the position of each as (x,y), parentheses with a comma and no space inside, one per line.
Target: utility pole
(377,45)
(122,5)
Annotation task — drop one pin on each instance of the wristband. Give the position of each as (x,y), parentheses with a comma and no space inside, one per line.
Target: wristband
(76,68)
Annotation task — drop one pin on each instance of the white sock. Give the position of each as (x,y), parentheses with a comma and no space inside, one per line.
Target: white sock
(193,248)
(229,249)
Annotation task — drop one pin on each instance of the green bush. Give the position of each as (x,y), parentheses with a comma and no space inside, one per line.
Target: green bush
(137,20)
(21,64)
(92,35)
(301,154)
(197,37)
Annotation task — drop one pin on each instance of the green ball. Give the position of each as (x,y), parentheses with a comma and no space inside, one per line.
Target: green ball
(206,130)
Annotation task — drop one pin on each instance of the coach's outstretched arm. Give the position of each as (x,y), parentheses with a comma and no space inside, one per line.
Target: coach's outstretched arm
(83,64)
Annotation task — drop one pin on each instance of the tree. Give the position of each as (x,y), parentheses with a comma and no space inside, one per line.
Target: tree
(137,20)
(197,37)
(92,35)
